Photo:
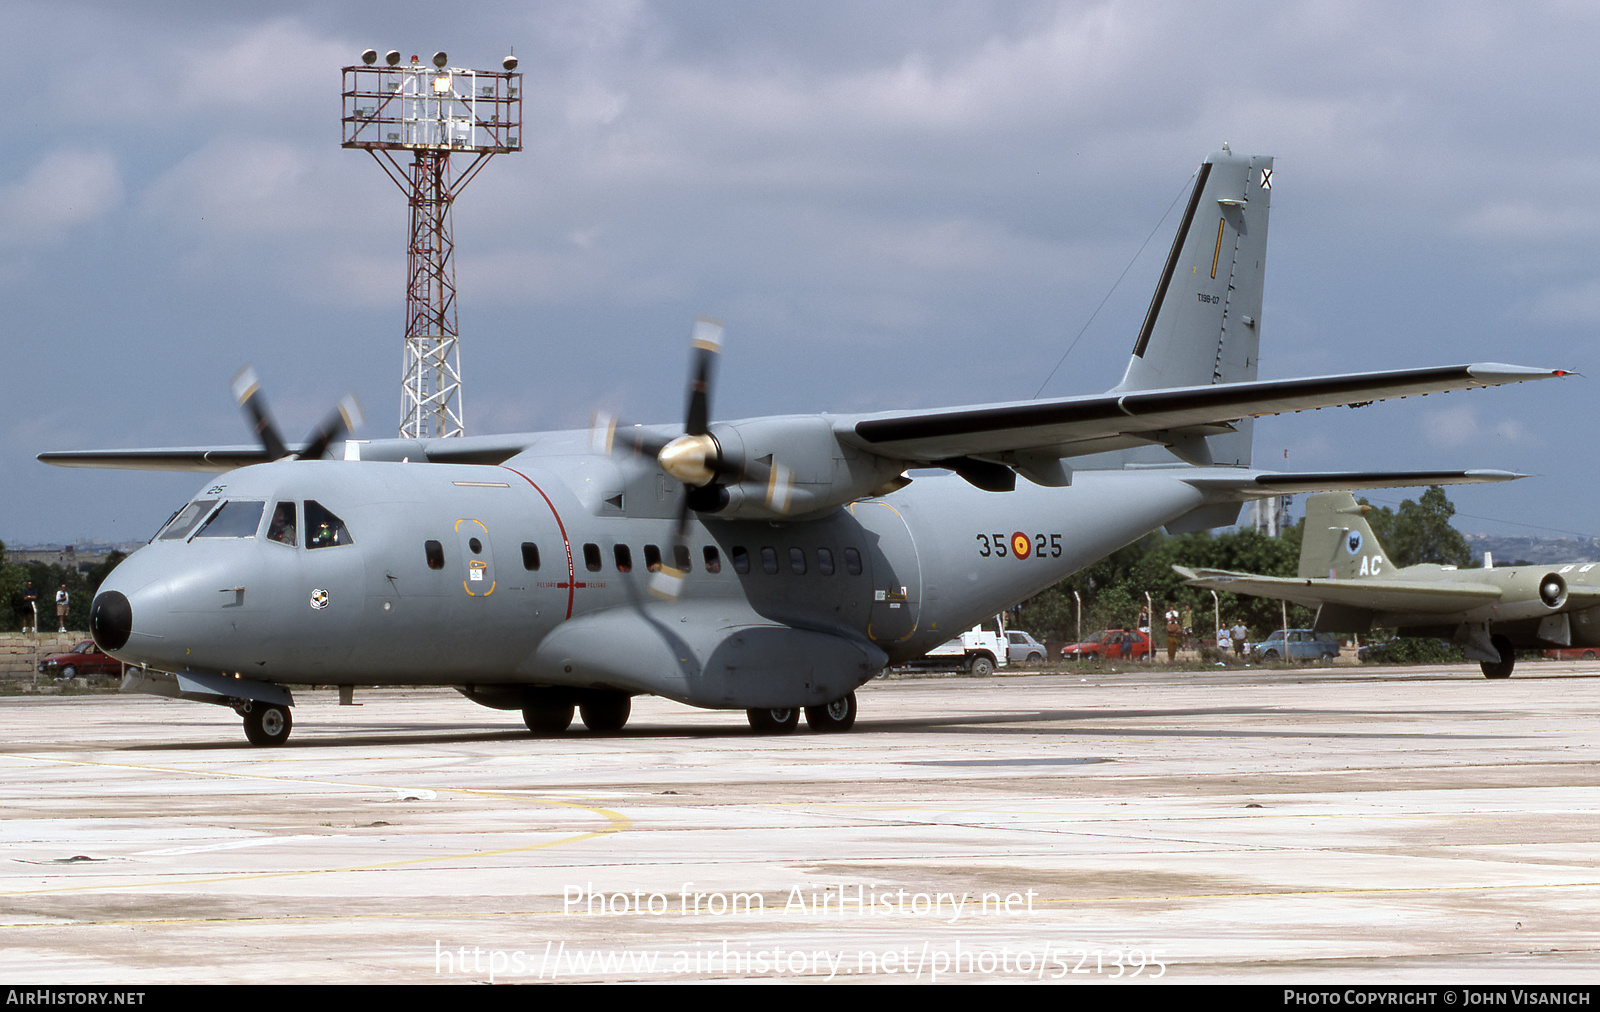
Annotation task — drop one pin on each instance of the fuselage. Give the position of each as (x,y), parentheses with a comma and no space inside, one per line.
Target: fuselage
(538,573)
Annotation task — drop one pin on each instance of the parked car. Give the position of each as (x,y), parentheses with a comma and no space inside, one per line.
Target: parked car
(1572,654)
(1303,645)
(83,659)
(1023,649)
(1108,645)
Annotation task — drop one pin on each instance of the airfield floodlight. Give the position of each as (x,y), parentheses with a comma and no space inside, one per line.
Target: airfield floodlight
(431,112)
(369,56)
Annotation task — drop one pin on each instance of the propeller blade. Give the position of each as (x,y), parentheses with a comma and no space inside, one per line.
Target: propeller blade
(346,416)
(667,582)
(706,339)
(247,391)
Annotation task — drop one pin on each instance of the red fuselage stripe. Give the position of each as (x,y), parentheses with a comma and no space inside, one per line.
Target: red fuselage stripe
(572,576)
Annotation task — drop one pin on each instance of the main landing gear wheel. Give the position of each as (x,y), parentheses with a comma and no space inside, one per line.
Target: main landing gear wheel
(839,715)
(548,717)
(606,713)
(773,721)
(1508,659)
(267,724)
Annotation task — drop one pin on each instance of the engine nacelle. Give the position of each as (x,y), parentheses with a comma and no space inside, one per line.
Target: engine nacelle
(1553,590)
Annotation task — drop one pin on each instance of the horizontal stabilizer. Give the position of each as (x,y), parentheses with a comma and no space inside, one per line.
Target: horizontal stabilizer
(1262,484)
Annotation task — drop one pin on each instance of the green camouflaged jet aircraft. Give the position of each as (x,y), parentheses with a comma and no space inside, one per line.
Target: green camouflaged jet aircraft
(1346,575)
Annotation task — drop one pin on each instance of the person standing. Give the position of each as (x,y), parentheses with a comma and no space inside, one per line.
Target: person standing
(30,609)
(62,600)
(1241,635)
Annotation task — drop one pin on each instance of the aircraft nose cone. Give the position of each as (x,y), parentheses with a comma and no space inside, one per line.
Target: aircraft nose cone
(110,620)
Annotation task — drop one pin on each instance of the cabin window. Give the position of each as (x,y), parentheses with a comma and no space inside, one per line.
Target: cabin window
(652,558)
(713,559)
(282,527)
(797,561)
(852,562)
(769,560)
(530,555)
(238,518)
(680,558)
(591,557)
(323,529)
(624,556)
(825,561)
(741,559)
(435,553)
(186,520)
(475,545)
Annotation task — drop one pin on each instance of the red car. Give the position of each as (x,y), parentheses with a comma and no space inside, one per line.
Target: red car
(1572,654)
(1108,644)
(83,659)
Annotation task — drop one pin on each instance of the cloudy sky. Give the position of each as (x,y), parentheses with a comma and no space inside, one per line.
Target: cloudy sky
(890,204)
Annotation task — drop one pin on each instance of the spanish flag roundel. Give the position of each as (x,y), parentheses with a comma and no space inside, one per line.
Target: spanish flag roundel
(1020,545)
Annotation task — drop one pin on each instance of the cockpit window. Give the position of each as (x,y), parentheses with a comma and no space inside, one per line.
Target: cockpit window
(323,529)
(238,518)
(180,525)
(282,528)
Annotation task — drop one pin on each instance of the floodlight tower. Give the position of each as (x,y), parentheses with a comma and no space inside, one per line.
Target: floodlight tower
(433,112)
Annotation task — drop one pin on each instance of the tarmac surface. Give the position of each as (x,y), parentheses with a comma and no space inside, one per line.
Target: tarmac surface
(1343,825)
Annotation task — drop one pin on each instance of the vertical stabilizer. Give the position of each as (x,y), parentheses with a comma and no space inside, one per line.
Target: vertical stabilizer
(1204,322)
(1337,543)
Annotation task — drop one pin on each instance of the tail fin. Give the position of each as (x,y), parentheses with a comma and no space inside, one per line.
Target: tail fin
(1337,544)
(1204,322)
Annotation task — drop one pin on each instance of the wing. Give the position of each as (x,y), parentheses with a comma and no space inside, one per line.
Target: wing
(1412,596)
(217,459)
(1178,417)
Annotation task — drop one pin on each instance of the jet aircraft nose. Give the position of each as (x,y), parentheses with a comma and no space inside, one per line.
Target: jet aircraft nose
(110,620)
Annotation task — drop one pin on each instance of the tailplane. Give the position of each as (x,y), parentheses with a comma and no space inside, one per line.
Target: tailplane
(1337,543)
(1204,322)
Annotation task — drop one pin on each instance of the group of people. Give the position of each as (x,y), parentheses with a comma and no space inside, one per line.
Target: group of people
(30,608)
(1180,631)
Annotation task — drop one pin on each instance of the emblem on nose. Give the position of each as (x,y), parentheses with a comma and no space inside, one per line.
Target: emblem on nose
(110,620)
(319,599)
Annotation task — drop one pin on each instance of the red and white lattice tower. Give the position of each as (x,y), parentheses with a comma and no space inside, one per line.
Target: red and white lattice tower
(433,112)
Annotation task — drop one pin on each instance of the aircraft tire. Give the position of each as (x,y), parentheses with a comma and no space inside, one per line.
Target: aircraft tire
(839,715)
(980,666)
(267,724)
(548,717)
(1508,659)
(780,721)
(606,713)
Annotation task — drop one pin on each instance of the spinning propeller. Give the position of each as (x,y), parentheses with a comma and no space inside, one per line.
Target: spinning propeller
(247,390)
(697,459)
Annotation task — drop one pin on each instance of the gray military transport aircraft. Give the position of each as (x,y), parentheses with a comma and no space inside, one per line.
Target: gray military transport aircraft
(1346,575)
(769,564)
